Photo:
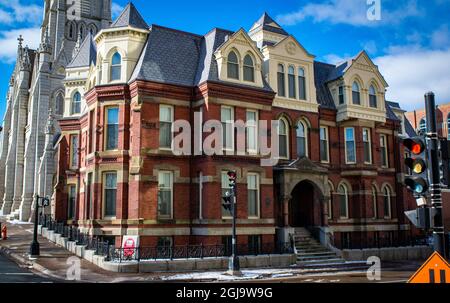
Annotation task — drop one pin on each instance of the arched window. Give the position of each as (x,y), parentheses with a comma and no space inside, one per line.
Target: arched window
(59,104)
(249,69)
(302,145)
(356,94)
(301,84)
(283,134)
(76,103)
(233,66)
(82,31)
(116,66)
(71,31)
(387,202)
(374,201)
(372,97)
(281,81)
(343,200)
(92,29)
(291,82)
(423,125)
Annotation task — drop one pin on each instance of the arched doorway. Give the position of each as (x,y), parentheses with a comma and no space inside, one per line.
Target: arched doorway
(305,206)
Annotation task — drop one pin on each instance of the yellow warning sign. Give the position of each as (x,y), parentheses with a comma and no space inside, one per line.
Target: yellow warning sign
(435,270)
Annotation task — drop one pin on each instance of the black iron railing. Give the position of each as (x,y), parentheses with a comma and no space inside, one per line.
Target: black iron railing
(104,248)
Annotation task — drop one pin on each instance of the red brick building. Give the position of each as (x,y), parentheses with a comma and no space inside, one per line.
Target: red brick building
(339,173)
(418,118)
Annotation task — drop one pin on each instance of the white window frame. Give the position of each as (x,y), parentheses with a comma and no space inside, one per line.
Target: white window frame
(375,202)
(328,144)
(345,145)
(305,130)
(386,154)
(283,120)
(254,125)
(172,114)
(227,123)
(171,184)
(222,175)
(369,137)
(258,193)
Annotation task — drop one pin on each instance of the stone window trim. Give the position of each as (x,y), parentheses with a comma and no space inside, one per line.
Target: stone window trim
(344,189)
(252,124)
(384,151)
(171,110)
(249,66)
(387,197)
(75,103)
(306,126)
(170,189)
(282,119)
(233,64)
(347,161)
(230,124)
(285,70)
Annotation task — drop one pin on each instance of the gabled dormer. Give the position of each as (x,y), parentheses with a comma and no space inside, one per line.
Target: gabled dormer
(239,60)
(358,89)
(288,66)
(120,45)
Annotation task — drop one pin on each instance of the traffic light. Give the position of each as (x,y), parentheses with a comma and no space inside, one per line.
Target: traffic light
(227,201)
(417,182)
(232,178)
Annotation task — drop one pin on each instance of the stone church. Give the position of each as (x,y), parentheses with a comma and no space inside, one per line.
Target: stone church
(35,101)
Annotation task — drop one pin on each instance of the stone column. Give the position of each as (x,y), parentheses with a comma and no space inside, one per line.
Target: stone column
(5,140)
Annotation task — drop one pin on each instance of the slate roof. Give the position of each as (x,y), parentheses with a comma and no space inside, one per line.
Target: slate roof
(176,57)
(87,54)
(130,17)
(409,129)
(321,75)
(389,113)
(266,22)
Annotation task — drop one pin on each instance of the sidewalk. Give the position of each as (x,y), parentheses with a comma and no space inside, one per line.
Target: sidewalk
(53,258)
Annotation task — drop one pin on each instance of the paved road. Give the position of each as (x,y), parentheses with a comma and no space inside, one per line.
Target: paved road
(10,272)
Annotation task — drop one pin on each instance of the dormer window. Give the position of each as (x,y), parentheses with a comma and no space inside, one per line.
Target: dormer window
(356,96)
(291,82)
(233,66)
(341,95)
(116,66)
(301,84)
(372,97)
(76,103)
(281,82)
(249,69)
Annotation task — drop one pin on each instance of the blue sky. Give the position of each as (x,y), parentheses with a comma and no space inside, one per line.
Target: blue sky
(410,43)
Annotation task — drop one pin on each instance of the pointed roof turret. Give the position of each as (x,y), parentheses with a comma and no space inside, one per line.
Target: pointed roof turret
(87,53)
(265,22)
(130,16)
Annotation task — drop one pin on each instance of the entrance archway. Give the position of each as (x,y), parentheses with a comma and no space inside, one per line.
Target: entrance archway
(305,205)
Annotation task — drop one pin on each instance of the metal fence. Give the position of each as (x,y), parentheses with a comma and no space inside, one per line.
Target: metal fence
(104,248)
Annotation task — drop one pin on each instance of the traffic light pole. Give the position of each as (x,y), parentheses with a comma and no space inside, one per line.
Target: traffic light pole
(434,175)
(233,264)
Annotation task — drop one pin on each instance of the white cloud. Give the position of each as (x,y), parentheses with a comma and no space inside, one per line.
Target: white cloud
(348,12)
(18,12)
(8,41)
(335,59)
(411,72)
(116,9)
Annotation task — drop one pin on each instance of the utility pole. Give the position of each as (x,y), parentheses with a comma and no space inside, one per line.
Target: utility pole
(230,203)
(434,175)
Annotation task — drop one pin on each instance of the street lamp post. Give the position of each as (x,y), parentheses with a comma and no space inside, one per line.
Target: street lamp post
(34,247)
(233,263)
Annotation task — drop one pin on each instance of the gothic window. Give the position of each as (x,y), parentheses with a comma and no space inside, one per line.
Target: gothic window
(249,69)
(233,66)
(301,84)
(343,201)
(76,103)
(59,104)
(70,30)
(116,66)
(281,81)
(372,97)
(283,135)
(356,93)
(92,29)
(302,145)
(291,82)
(387,202)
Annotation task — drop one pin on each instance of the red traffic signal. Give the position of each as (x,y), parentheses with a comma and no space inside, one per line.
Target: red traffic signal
(232,175)
(415,145)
